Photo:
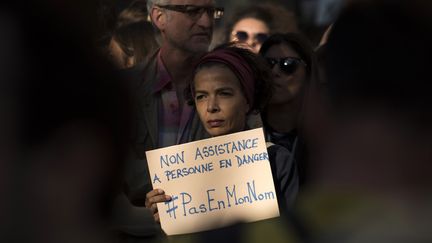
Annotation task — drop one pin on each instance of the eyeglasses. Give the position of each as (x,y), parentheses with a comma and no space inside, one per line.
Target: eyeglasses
(288,65)
(243,36)
(195,12)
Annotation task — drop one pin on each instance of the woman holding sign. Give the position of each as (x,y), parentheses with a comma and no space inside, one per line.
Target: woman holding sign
(229,84)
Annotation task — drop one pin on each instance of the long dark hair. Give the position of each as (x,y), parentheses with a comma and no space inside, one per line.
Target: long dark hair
(136,40)
(299,44)
(276,17)
(304,49)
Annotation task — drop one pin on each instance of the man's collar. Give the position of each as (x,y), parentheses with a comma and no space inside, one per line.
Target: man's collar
(163,76)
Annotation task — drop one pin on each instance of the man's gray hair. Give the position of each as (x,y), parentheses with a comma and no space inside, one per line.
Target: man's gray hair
(150,4)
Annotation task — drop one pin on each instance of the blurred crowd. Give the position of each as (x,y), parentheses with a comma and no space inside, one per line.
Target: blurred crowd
(348,118)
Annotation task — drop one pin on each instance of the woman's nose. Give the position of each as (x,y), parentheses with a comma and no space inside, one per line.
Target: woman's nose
(251,42)
(212,105)
(275,71)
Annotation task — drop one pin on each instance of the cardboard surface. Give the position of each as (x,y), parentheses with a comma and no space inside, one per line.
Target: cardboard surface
(214,182)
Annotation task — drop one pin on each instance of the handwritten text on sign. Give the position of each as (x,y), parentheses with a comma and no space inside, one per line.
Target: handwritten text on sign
(214,182)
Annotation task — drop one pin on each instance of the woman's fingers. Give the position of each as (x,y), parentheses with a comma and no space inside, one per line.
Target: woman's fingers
(152,198)
(159,198)
(154,192)
(156,196)
(154,208)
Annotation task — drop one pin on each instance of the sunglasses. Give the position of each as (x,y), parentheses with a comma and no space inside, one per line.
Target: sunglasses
(288,65)
(243,36)
(195,12)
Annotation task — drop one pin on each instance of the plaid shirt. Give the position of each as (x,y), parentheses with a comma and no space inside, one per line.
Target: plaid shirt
(175,123)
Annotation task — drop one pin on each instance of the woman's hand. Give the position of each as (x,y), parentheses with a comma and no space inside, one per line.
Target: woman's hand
(152,198)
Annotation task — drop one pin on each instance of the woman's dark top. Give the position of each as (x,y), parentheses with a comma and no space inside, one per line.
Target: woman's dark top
(285,176)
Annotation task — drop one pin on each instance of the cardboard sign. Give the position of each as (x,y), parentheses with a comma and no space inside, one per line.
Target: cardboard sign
(214,182)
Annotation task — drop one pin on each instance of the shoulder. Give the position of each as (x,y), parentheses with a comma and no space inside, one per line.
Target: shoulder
(281,158)
(279,151)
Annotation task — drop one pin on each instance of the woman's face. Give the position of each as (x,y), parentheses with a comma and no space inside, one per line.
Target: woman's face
(250,31)
(219,100)
(288,83)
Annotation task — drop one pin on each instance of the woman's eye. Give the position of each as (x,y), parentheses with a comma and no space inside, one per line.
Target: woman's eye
(199,97)
(225,93)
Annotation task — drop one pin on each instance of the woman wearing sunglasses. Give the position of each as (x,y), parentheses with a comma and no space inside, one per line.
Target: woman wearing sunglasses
(291,59)
(253,25)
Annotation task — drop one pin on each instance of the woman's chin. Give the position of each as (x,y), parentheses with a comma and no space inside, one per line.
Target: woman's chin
(218,134)
(215,132)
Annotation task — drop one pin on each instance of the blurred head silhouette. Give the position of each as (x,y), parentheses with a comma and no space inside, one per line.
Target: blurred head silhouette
(379,86)
(66,126)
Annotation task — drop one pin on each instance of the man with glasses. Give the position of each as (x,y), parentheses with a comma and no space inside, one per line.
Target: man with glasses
(164,118)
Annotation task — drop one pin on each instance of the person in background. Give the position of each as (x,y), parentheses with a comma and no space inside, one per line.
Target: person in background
(292,61)
(133,39)
(135,12)
(315,112)
(66,129)
(132,44)
(254,24)
(164,117)
(372,180)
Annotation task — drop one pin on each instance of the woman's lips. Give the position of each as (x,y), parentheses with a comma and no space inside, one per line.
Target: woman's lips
(215,123)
